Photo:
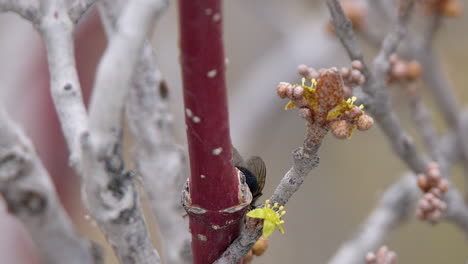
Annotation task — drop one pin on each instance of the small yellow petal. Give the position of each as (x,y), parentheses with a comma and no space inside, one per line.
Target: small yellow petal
(268,228)
(290,105)
(280,228)
(257,213)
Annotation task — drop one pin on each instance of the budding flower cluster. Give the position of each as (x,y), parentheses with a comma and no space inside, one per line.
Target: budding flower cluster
(355,11)
(351,76)
(383,256)
(430,206)
(323,102)
(402,70)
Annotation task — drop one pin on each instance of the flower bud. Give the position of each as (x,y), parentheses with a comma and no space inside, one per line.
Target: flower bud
(345,72)
(443,185)
(422,182)
(399,70)
(452,8)
(282,88)
(260,246)
(248,257)
(303,70)
(357,65)
(341,129)
(365,122)
(413,70)
(298,92)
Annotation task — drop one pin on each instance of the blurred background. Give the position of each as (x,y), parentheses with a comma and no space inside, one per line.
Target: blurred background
(265,41)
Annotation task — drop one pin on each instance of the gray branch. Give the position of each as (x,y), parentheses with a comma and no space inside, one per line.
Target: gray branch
(394,208)
(109,193)
(76,8)
(305,159)
(375,86)
(30,195)
(160,162)
(28,9)
(437,82)
(56,29)
(396,205)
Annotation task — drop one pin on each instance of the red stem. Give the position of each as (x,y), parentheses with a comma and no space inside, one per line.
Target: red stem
(213,179)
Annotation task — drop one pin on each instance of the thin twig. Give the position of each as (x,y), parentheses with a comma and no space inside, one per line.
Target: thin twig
(56,29)
(396,205)
(124,50)
(457,210)
(394,208)
(160,161)
(441,88)
(30,195)
(28,9)
(305,159)
(76,8)
(422,118)
(375,85)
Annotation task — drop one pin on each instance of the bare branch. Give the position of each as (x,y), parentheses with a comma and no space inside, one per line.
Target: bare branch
(28,9)
(30,195)
(457,210)
(395,206)
(76,8)
(57,31)
(422,118)
(155,149)
(162,163)
(124,50)
(443,92)
(375,84)
(111,195)
(250,233)
(304,160)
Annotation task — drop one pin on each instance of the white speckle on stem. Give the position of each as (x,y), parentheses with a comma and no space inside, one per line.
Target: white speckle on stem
(196,119)
(217,151)
(202,237)
(217,17)
(188,112)
(202,176)
(212,73)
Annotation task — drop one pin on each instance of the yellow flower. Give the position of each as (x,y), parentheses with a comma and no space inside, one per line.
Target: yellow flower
(309,94)
(271,216)
(343,107)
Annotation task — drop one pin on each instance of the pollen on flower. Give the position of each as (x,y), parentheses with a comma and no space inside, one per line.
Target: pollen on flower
(271,216)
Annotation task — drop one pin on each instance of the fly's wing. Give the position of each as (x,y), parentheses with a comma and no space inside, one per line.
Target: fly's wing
(237,159)
(258,168)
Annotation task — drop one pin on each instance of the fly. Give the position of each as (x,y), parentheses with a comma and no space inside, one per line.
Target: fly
(254,170)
